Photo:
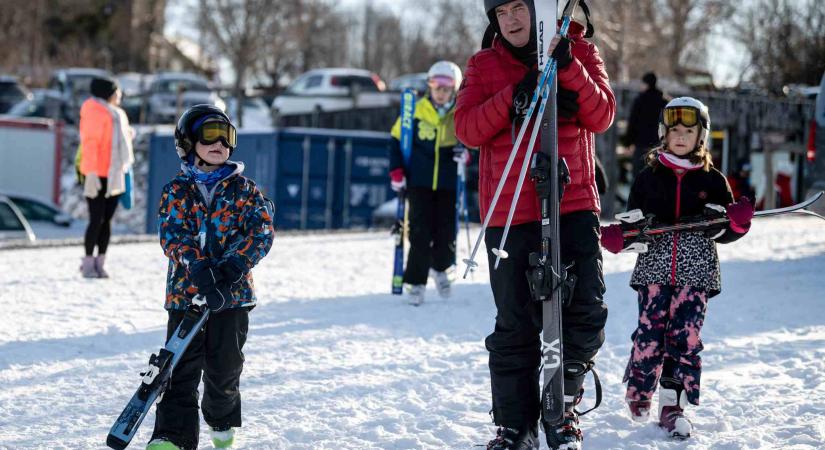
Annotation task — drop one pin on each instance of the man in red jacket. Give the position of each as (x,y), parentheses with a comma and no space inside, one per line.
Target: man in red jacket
(499,82)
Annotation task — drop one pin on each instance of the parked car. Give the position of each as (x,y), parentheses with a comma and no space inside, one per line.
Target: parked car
(13,226)
(73,84)
(46,103)
(334,89)
(134,83)
(170,93)
(44,218)
(11,92)
(255,112)
(414,81)
(36,209)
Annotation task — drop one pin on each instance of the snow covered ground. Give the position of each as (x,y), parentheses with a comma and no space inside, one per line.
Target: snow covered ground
(334,362)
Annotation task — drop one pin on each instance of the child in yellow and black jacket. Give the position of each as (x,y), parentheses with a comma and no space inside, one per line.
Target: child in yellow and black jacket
(429,179)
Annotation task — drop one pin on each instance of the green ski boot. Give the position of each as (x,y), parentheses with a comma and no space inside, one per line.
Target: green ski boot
(222,438)
(161,444)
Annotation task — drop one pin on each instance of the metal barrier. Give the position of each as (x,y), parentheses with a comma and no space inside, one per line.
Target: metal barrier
(318,179)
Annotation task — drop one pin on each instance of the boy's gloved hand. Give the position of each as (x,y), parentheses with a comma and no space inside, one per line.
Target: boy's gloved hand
(397,179)
(740,214)
(612,239)
(213,288)
(231,272)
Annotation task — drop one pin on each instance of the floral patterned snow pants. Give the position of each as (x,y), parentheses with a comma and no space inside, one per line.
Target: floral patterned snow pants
(667,342)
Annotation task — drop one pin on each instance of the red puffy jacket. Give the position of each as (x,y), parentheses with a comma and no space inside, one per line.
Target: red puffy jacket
(483,120)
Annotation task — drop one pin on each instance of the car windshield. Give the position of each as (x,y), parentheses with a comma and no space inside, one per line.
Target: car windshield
(9,220)
(81,84)
(172,86)
(33,210)
(10,89)
(27,108)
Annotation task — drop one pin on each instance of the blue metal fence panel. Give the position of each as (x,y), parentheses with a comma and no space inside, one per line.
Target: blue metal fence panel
(316,178)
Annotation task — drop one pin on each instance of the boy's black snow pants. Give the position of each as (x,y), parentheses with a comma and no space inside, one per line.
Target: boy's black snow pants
(432,233)
(217,353)
(515,344)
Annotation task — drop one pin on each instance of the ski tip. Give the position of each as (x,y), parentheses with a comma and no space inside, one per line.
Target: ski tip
(116,443)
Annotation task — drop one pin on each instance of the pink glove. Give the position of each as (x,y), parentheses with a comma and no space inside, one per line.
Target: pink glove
(612,239)
(740,214)
(397,179)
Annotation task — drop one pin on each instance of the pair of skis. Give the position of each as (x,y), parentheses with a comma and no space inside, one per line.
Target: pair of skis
(638,229)
(157,377)
(549,281)
(399,229)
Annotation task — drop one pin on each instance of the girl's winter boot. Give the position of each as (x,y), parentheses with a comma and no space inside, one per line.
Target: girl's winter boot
(672,403)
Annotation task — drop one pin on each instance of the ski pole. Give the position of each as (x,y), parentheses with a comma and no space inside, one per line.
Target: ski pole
(545,95)
(500,252)
(543,80)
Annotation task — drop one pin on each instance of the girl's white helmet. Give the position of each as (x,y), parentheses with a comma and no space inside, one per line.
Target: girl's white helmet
(688,111)
(445,70)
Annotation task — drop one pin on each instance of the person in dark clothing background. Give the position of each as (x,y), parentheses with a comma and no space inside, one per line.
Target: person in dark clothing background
(643,124)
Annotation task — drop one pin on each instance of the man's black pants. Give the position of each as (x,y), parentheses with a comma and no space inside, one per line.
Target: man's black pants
(515,344)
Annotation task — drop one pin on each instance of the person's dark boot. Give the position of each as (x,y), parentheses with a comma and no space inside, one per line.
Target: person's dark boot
(566,435)
(514,439)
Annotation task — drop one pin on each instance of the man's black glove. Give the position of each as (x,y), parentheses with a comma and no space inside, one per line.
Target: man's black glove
(566,102)
(213,288)
(523,93)
(562,54)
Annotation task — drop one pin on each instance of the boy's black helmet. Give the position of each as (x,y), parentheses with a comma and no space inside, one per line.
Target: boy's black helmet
(185,137)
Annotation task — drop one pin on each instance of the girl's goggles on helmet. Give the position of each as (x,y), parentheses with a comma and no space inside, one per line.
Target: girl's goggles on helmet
(685,115)
(211,132)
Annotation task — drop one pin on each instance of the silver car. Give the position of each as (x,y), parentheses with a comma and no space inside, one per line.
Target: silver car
(13,226)
(171,93)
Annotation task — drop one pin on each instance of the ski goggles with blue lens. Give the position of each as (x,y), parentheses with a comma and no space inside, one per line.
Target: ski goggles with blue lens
(211,132)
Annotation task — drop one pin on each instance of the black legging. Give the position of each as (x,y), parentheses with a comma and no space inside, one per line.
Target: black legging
(101,210)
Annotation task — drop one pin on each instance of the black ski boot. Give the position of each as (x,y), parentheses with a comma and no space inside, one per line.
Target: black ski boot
(566,435)
(513,439)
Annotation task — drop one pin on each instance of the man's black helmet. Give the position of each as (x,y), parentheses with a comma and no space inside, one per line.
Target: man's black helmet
(185,136)
(491,5)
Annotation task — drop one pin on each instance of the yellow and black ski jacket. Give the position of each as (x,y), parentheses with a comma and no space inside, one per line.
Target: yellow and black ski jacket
(431,159)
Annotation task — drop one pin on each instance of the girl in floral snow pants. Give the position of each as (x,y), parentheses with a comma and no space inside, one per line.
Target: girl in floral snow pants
(666,343)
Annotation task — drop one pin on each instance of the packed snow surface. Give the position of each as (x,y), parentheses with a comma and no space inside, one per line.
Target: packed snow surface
(333,361)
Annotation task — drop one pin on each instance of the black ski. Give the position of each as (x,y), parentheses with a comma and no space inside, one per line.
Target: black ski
(549,281)
(156,378)
(637,228)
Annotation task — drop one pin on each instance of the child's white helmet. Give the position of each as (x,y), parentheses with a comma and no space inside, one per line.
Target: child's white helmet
(445,70)
(688,111)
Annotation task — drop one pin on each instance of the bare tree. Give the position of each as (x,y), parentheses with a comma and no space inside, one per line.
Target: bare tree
(235,28)
(669,36)
(785,40)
